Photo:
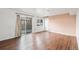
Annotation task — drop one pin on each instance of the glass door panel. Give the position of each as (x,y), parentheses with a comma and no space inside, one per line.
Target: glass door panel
(26,26)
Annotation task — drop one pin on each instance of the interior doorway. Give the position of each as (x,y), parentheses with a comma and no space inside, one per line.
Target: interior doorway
(26,25)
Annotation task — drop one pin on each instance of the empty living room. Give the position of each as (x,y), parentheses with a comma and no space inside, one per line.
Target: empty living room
(39,29)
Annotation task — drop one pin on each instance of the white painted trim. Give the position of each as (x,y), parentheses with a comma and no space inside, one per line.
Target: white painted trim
(63,33)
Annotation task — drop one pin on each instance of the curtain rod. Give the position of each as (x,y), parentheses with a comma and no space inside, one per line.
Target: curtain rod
(24,14)
(27,15)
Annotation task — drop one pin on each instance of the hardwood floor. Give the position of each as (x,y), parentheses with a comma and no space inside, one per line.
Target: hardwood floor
(54,41)
(40,41)
(10,44)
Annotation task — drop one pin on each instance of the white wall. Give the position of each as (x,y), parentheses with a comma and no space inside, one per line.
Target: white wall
(77,27)
(36,28)
(46,24)
(7,23)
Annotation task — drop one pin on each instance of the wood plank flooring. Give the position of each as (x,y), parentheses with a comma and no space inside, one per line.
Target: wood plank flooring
(41,41)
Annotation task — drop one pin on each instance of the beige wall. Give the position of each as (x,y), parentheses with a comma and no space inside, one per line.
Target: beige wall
(64,24)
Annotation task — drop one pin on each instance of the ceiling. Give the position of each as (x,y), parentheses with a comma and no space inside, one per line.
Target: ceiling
(42,12)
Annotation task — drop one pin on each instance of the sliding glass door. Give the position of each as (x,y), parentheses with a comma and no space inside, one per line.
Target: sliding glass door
(26,26)
(29,25)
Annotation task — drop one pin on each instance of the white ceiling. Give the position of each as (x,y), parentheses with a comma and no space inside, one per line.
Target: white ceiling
(41,12)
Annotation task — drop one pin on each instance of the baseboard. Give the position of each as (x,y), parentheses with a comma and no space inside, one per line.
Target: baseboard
(63,33)
(11,38)
(40,31)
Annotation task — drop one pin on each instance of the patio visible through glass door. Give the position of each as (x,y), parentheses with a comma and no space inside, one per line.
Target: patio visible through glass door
(26,25)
